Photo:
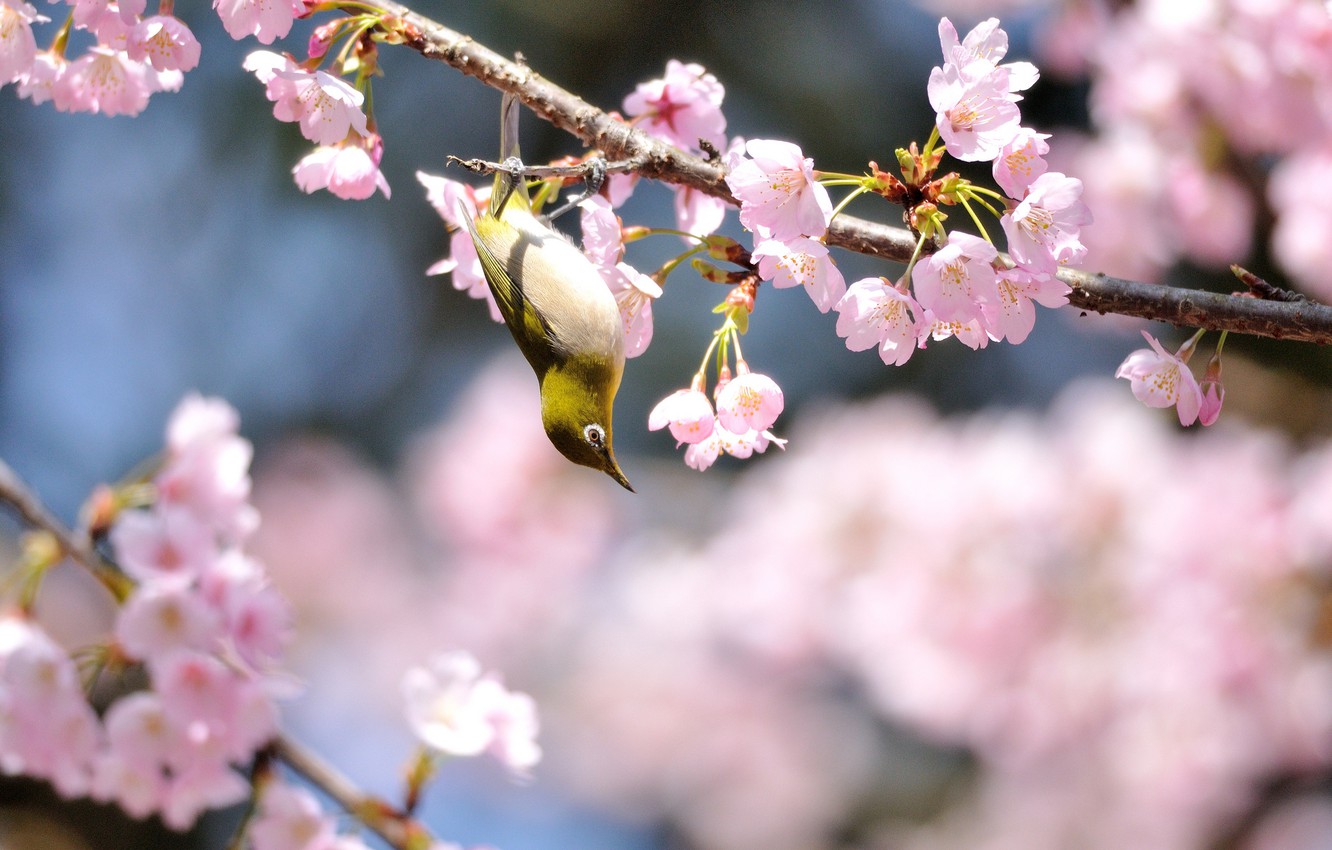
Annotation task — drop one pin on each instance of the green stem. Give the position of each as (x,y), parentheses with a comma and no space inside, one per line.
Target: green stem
(851,196)
(966,205)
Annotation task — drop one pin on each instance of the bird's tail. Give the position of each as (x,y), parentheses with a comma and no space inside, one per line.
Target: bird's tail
(508,188)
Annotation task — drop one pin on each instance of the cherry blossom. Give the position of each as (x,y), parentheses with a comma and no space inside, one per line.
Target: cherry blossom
(165,42)
(1012,314)
(458,203)
(682,107)
(1159,379)
(349,170)
(955,281)
(1020,161)
(455,709)
(266,20)
(778,194)
(976,116)
(872,313)
(801,262)
(18,46)
(159,620)
(688,413)
(1043,230)
(325,107)
(290,818)
(702,455)
(634,291)
(749,402)
(42,77)
(979,53)
(105,81)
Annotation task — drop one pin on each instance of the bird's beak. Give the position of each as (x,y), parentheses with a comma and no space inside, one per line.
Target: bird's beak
(616,473)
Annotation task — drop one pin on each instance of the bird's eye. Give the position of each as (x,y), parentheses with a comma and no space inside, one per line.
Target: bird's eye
(595,436)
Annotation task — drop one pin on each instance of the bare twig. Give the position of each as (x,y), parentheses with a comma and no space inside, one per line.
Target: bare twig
(17,494)
(399,830)
(1306,320)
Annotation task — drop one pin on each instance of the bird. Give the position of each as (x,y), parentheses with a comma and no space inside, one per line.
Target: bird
(561,313)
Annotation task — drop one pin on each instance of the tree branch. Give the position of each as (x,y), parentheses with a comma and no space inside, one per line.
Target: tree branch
(1306,321)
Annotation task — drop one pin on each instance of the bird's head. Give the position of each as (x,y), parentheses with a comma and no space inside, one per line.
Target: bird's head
(577,398)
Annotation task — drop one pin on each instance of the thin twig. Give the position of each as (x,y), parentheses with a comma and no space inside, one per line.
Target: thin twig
(1306,321)
(17,494)
(578,171)
(399,830)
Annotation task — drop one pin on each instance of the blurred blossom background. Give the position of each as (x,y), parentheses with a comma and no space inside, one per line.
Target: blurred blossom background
(981,601)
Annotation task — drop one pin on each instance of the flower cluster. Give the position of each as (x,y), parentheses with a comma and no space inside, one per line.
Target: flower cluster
(202,622)
(1203,114)
(328,110)
(131,57)
(1129,651)
(964,289)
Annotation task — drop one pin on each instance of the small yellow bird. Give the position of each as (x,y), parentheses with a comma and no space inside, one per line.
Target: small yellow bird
(560,312)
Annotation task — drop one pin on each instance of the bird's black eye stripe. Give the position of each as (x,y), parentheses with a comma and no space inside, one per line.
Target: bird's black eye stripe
(595,436)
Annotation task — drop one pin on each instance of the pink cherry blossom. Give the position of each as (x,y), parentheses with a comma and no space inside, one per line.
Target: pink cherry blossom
(325,107)
(1020,161)
(603,239)
(1043,230)
(137,729)
(458,203)
(158,620)
(778,193)
(976,116)
(104,81)
(165,42)
(1159,379)
(978,54)
(42,77)
(199,420)
(603,244)
(291,818)
(167,546)
(955,281)
(801,262)
(971,333)
(513,720)
(18,46)
(191,792)
(266,20)
(454,709)
(634,293)
(702,455)
(749,402)
(137,788)
(688,413)
(683,107)
(207,470)
(47,728)
(349,170)
(872,313)
(698,213)
(1012,314)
